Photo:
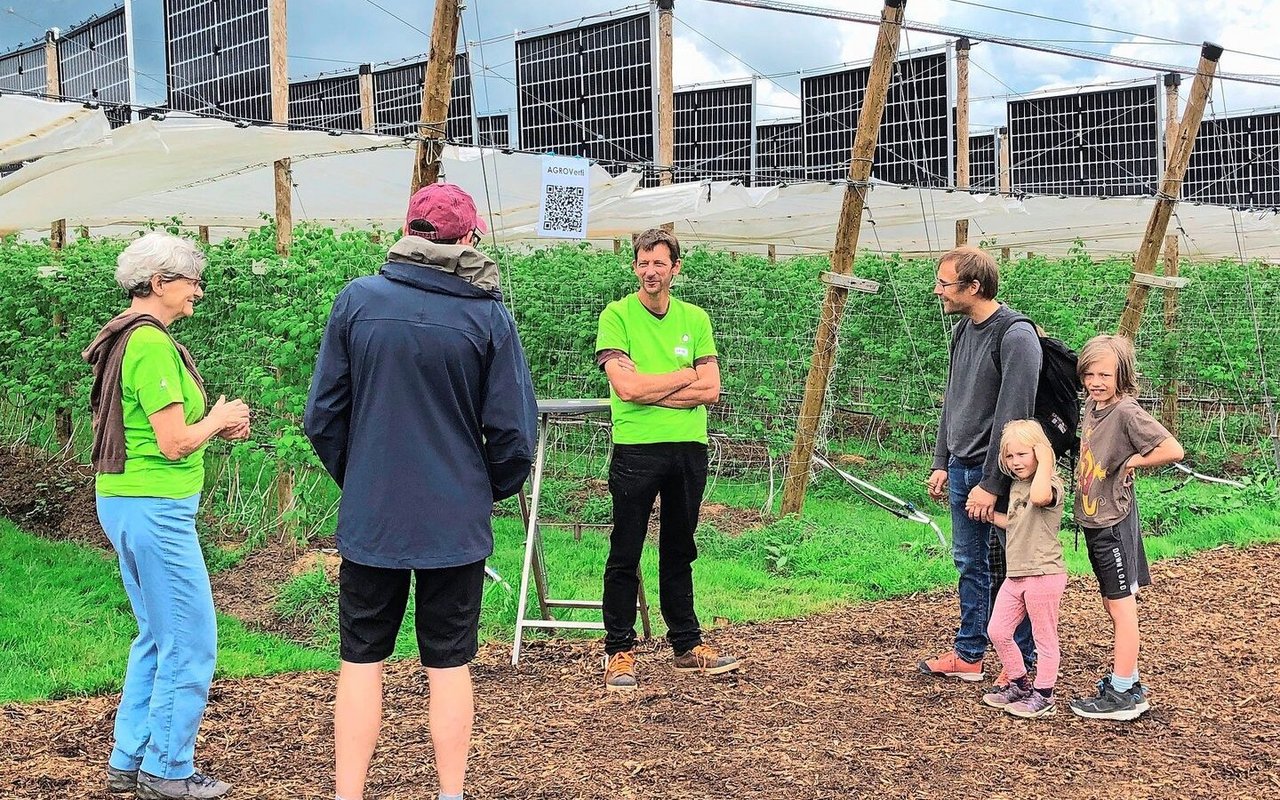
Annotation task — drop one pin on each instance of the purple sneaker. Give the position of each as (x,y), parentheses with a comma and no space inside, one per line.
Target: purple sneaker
(1002,698)
(1034,706)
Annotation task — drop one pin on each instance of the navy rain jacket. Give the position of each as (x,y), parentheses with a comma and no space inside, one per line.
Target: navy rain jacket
(422,410)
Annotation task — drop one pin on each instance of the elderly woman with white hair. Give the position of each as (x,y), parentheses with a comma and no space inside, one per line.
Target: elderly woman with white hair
(150,428)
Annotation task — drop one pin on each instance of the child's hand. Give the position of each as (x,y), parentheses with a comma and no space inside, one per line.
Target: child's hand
(1129,467)
(1044,454)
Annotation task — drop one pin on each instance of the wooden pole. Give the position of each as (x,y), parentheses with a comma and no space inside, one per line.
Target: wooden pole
(277,12)
(1006,168)
(1169,402)
(773,254)
(53,88)
(203,232)
(847,231)
(1136,301)
(437,86)
(367,121)
(962,131)
(666,94)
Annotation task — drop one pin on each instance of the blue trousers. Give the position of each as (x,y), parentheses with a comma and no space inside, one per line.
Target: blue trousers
(971,551)
(166,684)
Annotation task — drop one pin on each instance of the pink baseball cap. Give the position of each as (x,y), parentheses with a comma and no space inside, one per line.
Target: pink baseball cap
(442,212)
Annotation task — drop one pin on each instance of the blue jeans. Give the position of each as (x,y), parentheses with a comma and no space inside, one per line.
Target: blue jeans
(166,683)
(970,549)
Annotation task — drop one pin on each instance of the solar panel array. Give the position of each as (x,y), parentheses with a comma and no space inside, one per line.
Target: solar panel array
(712,136)
(494,130)
(330,102)
(397,100)
(1236,162)
(93,64)
(779,153)
(589,91)
(914,142)
(1098,143)
(23,70)
(219,57)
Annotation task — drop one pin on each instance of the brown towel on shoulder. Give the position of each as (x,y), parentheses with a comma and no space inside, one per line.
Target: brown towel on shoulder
(106,356)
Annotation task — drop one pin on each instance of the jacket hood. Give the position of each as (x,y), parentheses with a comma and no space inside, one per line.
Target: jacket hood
(465,262)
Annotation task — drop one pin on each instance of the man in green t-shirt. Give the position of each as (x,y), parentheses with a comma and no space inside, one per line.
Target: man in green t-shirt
(660,357)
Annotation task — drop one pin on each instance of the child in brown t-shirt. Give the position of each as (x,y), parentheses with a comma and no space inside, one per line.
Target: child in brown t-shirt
(1117,437)
(1036,574)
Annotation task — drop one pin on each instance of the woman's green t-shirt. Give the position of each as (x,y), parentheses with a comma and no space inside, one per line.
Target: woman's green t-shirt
(151,378)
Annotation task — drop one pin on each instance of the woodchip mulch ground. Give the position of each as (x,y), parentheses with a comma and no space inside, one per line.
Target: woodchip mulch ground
(827,706)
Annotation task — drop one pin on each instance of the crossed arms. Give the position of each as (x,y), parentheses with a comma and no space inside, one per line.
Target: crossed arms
(689,387)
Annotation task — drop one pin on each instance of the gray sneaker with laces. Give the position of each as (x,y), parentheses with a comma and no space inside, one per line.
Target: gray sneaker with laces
(1006,696)
(1035,705)
(121,781)
(197,787)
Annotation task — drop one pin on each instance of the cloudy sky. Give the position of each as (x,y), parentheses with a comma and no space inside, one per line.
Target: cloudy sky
(717,42)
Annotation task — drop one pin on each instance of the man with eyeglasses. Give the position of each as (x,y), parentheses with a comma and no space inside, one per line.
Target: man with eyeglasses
(983,393)
(422,410)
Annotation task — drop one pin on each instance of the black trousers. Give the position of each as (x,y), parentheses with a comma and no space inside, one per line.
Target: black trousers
(639,473)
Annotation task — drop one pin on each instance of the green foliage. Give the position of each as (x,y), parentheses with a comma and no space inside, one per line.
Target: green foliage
(66,625)
(312,599)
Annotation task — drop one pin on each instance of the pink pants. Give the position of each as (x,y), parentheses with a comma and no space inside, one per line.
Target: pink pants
(1036,596)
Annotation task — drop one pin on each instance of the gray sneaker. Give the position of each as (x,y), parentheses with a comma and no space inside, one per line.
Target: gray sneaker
(1034,706)
(121,781)
(1003,698)
(1108,704)
(197,787)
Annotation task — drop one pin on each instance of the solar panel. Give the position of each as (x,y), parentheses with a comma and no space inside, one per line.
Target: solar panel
(397,100)
(23,70)
(1236,162)
(494,130)
(93,64)
(589,91)
(914,142)
(779,153)
(1104,143)
(219,57)
(712,137)
(329,102)
(982,162)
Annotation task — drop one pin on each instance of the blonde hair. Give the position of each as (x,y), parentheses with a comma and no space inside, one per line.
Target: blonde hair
(1026,431)
(1126,360)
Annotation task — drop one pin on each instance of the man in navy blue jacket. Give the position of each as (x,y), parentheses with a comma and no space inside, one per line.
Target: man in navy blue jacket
(422,410)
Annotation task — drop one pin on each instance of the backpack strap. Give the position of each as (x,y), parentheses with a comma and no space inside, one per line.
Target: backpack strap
(1004,327)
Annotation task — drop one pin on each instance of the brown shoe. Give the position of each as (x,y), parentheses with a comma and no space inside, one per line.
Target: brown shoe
(620,671)
(705,659)
(951,665)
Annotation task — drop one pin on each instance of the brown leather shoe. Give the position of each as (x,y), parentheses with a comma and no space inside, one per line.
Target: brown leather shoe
(705,659)
(620,672)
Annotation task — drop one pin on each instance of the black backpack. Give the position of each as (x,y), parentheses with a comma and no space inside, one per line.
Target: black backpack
(1058,391)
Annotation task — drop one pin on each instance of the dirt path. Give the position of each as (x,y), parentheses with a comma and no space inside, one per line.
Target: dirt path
(828,706)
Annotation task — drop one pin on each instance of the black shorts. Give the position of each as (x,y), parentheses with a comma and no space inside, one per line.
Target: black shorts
(372,601)
(1119,560)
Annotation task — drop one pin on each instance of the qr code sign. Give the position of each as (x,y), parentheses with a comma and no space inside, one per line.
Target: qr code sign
(564,208)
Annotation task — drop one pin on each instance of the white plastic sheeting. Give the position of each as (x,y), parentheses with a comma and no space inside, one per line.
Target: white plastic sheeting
(207,172)
(31,127)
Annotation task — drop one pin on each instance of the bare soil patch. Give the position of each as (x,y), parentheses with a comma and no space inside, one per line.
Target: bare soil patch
(827,706)
(49,496)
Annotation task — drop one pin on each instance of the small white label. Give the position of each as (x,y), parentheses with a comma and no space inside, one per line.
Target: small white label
(683,352)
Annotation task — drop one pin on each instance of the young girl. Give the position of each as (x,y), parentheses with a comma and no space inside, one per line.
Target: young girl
(1117,437)
(1036,574)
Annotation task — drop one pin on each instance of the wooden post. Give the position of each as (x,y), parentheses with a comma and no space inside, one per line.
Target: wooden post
(1005,254)
(773,254)
(962,131)
(203,232)
(53,88)
(666,94)
(437,86)
(1006,168)
(847,231)
(1136,301)
(1169,401)
(367,120)
(277,13)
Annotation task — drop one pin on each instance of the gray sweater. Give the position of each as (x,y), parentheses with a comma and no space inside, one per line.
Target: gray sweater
(980,400)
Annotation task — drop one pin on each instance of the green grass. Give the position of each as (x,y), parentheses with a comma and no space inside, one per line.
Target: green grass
(65,625)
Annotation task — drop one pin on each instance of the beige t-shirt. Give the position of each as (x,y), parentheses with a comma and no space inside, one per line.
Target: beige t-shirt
(1032,546)
(1109,438)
